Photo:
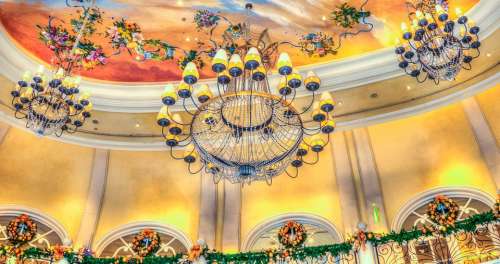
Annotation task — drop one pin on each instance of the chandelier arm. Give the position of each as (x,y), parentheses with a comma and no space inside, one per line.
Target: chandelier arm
(469,66)
(313,162)
(197,171)
(269,180)
(184,141)
(478,53)
(19,112)
(172,154)
(310,105)
(185,108)
(426,76)
(175,121)
(293,176)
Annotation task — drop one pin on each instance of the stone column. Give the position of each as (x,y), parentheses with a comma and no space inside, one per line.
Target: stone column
(208,210)
(370,181)
(95,196)
(231,217)
(349,204)
(4,128)
(484,138)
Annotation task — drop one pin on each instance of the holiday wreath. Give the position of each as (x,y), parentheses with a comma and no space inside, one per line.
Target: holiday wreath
(292,234)
(146,243)
(21,229)
(443,211)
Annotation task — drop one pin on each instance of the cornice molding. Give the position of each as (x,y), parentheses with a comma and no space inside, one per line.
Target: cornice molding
(336,75)
(341,126)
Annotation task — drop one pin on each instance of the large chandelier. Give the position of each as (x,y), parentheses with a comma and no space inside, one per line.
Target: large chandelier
(437,47)
(244,132)
(242,129)
(50,100)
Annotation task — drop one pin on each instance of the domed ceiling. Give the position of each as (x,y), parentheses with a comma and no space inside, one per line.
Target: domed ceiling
(172,21)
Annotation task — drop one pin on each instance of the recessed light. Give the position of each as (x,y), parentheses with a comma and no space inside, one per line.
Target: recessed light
(137,125)
(339,103)
(323,18)
(408,87)
(374,95)
(488,54)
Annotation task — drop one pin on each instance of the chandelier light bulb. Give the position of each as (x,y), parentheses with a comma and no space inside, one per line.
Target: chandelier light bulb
(235,66)
(419,14)
(294,80)
(283,87)
(252,59)
(440,10)
(184,90)
(176,125)
(458,12)
(169,95)
(219,62)
(40,70)
(27,76)
(59,74)
(312,81)
(163,117)
(190,74)
(204,93)
(284,64)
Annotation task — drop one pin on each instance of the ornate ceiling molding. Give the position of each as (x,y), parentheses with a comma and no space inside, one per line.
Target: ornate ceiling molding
(337,75)
(124,144)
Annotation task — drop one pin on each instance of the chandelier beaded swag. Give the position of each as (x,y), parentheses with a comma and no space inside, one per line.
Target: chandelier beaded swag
(243,130)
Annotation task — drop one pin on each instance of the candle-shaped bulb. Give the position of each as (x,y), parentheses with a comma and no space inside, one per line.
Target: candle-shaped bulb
(404,27)
(440,10)
(59,74)
(27,76)
(419,14)
(40,70)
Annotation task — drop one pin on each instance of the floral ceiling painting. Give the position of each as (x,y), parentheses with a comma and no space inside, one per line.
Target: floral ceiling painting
(173,21)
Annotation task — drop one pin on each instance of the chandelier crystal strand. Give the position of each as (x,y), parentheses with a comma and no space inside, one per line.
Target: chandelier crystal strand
(52,104)
(437,47)
(245,133)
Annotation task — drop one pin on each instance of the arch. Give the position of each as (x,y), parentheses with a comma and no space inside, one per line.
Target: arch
(136,227)
(279,220)
(425,197)
(38,216)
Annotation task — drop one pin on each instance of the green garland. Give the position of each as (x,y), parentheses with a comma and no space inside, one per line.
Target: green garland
(468,225)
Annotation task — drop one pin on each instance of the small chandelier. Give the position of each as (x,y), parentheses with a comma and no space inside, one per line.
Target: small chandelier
(244,132)
(50,101)
(50,105)
(435,48)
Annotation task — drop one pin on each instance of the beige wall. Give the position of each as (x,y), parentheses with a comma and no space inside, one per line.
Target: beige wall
(314,192)
(430,150)
(149,186)
(47,175)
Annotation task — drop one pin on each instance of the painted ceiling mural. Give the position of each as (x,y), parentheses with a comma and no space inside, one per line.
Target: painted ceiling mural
(173,21)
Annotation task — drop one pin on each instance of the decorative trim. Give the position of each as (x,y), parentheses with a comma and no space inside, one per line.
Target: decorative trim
(279,220)
(136,227)
(341,126)
(424,198)
(144,97)
(38,216)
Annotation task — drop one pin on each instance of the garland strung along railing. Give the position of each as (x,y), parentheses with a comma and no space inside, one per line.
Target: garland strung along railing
(475,239)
